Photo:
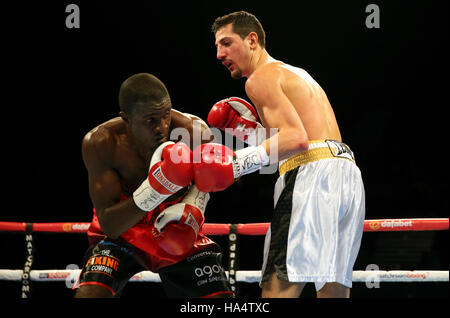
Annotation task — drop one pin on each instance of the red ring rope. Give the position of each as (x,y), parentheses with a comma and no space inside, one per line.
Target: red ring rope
(381,225)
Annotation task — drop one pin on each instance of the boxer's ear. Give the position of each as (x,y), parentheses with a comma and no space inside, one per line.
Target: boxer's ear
(252,38)
(124,116)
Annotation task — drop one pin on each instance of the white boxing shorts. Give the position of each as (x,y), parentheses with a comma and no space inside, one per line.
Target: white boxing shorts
(316,229)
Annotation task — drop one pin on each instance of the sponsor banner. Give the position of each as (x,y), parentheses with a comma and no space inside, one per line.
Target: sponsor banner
(395,224)
(75,227)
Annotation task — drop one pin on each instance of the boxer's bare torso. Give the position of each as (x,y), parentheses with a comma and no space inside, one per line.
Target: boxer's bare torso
(118,152)
(117,166)
(115,152)
(306,96)
(287,97)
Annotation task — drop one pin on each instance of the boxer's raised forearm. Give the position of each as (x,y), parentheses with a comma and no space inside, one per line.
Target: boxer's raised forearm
(117,219)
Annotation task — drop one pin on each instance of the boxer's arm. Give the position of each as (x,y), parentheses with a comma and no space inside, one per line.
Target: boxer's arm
(194,125)
(266,93)
(105,190)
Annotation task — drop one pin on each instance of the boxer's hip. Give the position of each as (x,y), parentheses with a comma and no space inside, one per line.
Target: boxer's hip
(318,150)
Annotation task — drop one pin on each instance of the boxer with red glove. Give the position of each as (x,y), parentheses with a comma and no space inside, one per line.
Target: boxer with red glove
(170,171)
(216,166)
(179,224)
(239,118)
(129,171)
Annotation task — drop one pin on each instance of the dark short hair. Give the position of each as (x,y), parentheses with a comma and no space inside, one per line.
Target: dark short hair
(243,23)
(141,89)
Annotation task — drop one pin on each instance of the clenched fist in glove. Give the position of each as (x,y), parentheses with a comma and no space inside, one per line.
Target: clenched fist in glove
(179,224)
(239,118)
(216,166)
(170,171)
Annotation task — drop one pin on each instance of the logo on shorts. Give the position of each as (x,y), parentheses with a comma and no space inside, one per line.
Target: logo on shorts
(339,149)
(210,274)
(102,264)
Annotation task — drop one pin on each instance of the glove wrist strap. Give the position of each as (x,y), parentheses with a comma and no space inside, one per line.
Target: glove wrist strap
(249,160)
(196,198)
(146,198)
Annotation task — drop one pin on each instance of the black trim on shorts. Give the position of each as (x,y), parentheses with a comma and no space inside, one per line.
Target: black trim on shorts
(279,229)
(199,275)
(111,263)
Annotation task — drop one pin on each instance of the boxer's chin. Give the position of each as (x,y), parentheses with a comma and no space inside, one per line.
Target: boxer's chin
(236,74)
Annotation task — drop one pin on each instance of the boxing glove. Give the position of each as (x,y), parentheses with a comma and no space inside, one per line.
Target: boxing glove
(179,224)
(239,118)
(216,166)
(170,171)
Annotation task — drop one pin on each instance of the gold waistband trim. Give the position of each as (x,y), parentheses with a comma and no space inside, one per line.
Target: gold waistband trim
(323,149)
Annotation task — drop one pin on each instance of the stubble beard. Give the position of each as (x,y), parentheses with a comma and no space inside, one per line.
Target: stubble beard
(237,74)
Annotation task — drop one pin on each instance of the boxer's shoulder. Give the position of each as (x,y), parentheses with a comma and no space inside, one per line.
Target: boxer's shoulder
(102,141)
(180,119)
(271,70)
(192,123)
(262,80)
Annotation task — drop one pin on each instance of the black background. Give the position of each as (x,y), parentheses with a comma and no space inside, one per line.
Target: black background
(388,87)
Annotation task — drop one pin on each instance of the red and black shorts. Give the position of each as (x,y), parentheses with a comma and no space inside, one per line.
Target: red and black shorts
(112,263)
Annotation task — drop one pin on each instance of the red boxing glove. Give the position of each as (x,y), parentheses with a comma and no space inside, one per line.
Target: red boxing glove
(240,117)
(213,167)
(170,171)
(216,166)
(178,225)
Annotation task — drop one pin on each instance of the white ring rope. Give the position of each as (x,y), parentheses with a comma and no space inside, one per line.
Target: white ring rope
(241,276)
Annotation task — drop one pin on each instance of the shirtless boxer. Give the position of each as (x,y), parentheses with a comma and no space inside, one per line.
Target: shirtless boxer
(147,212)
(317,224)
